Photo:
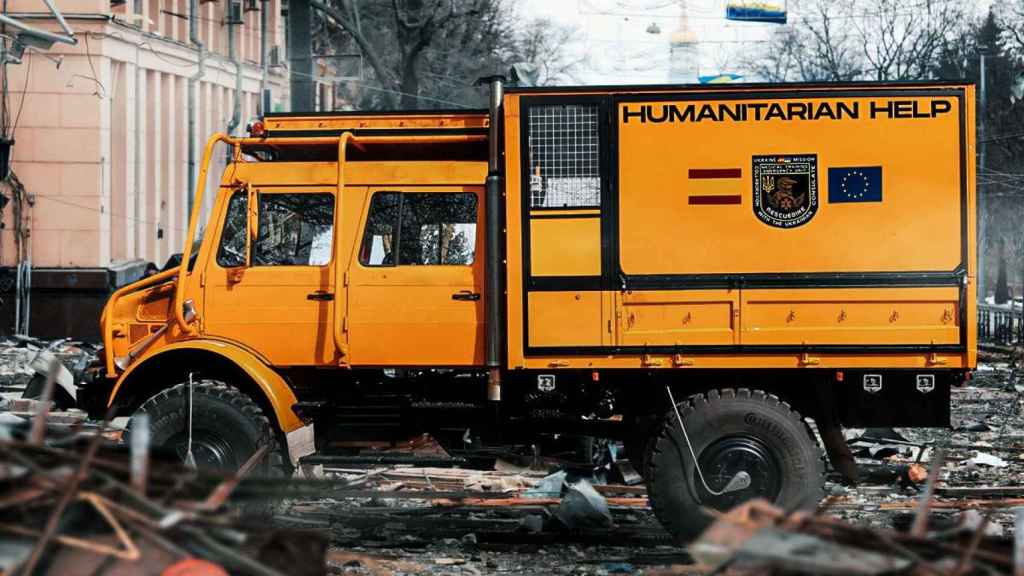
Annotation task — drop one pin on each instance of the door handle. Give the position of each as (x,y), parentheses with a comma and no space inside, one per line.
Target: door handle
(320,295)
(466,295)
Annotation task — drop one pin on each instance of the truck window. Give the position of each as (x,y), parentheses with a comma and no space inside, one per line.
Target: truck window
(564,155)
(231,253)
(294,230)
(432,229)
(379,236)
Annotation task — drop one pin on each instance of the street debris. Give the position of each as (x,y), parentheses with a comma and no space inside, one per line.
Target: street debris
(758,538)
(74,505)
(76,493)
(983,459)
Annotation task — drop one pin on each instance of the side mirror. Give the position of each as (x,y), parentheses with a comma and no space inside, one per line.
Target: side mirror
(189,309)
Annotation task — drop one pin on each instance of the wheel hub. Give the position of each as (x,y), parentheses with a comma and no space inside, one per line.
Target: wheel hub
(210,451)
(724,459)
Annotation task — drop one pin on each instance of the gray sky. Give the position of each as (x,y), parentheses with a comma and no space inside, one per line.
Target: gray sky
(627,41)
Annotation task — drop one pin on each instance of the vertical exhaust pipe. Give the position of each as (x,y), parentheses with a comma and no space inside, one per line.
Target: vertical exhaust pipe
(494,201)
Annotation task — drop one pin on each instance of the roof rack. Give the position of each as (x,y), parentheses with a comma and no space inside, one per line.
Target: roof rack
(396,122)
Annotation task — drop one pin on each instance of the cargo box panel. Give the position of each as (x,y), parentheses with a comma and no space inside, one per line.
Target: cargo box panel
(921,316)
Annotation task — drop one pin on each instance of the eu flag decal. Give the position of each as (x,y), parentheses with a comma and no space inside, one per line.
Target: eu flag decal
(857,184)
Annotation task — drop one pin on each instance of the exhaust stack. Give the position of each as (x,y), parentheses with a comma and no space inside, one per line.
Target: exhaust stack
(494,292)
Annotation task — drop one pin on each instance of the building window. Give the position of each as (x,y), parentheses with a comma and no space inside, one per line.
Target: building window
(422,229)
(564,156)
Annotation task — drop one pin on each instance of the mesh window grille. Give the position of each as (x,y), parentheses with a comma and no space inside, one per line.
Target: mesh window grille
(564,156)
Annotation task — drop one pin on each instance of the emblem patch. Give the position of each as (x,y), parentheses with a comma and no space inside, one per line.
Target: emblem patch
(925,383)
(872,383)
(785,189)
(546,382)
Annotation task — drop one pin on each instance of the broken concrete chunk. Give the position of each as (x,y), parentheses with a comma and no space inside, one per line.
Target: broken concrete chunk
(791,552)
(583,507)
(548,487)
(532,524)
(972,426)
(630,477)
(983,459)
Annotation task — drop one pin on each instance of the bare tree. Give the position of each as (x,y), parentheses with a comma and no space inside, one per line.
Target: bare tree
(551,49)
(835,40)
(902,44)
(425,53)
(1009,15)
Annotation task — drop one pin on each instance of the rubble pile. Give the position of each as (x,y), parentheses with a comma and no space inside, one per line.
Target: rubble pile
(18,352)
(928,501)
(983,466)
(75,504)
(758,538)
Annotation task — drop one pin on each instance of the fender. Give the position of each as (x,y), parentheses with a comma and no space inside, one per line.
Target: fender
(276,391)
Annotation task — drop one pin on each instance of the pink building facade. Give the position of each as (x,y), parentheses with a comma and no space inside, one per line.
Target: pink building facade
(102,140)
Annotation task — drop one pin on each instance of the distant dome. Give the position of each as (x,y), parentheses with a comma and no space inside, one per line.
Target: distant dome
(683,34)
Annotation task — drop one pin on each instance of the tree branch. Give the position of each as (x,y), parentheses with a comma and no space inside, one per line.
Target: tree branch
(379,70)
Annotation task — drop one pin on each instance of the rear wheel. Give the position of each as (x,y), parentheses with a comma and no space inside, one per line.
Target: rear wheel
(227,427)
(732,431)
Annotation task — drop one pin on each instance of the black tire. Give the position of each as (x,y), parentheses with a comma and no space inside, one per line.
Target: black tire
(227,427)
(731,430)
(34,391)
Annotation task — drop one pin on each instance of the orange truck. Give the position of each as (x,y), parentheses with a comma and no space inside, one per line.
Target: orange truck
(699,272)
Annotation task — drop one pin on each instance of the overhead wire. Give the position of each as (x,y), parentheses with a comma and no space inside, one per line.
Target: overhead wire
(24,91)
(369,86)
(721,17)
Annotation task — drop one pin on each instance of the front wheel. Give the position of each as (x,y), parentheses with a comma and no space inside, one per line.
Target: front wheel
(227,426)
(732,431)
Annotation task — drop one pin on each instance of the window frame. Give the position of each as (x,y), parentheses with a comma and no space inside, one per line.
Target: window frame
(242,193)
(254,215)
(397,227)
(533,105)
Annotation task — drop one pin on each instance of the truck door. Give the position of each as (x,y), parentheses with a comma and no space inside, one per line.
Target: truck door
(415,294)
(269,284)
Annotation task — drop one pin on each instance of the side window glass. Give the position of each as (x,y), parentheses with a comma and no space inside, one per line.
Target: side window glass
(231,252)
(423,229)
(377,248)
(438,229)
(294,230)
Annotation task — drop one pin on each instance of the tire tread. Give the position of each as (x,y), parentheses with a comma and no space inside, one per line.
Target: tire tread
(686,407)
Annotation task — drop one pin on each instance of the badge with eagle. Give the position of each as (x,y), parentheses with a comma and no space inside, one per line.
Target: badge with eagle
(785,189)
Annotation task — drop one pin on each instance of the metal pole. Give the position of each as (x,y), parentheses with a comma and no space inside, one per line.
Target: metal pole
(193,81)
(264,65)
(236,108)
(982,211)
(300,54)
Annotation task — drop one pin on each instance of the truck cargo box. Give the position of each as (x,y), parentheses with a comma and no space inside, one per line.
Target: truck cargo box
(742,226)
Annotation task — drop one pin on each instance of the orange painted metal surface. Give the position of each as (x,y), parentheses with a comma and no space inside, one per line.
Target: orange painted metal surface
(683,210)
